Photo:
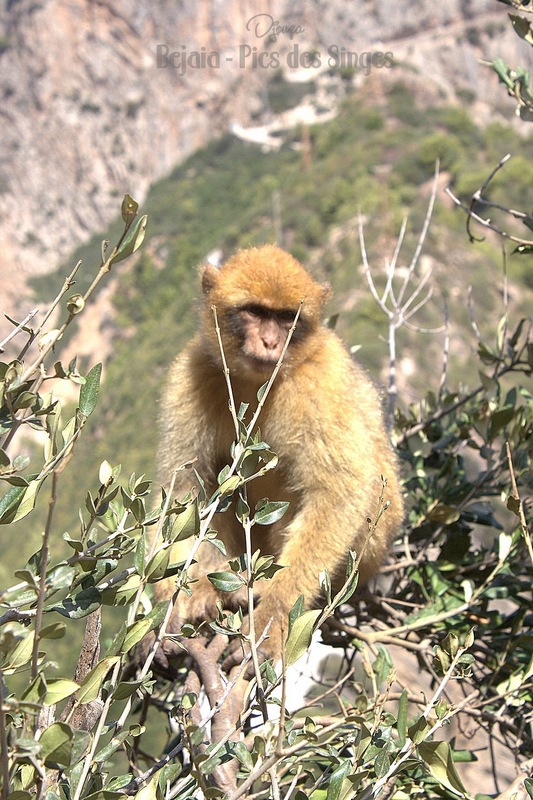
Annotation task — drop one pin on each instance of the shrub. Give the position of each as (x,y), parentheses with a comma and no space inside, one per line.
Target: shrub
(457,595)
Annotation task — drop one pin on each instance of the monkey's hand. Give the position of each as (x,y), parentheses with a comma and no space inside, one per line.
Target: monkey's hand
(169,653)
(166,659)
(267,639)
(201,604)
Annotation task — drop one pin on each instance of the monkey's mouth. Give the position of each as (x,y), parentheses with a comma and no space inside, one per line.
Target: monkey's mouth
(261,363)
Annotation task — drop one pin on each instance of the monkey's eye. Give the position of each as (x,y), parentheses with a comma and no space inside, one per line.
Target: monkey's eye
(256,311)
(282,315)
(286,315)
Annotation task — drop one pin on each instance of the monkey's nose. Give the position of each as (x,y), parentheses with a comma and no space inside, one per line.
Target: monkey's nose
(270,343)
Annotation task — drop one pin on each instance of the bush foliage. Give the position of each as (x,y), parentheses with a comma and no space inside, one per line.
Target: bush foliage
(455,597)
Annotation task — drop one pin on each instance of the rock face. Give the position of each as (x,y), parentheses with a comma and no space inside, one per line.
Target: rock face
(99,97)
(88,113)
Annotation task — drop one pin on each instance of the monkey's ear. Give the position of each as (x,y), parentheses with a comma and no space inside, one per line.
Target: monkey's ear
(209,276)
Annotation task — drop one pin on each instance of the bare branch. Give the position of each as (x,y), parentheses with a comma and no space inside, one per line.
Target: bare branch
(18,328)
(423,235)
(366,268)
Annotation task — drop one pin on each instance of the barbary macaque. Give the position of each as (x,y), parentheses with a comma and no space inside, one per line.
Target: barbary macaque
(322,418)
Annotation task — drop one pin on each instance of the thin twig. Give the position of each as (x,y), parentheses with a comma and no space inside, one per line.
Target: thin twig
(18,329)
(472,315)
(4,747)
(477,198)
(478,194)
(520,506)
(251,618)
(226,371)
(445,352)
(486,223)
(41,594)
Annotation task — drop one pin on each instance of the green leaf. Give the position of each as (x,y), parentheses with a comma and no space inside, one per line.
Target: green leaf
(382,665)
(338,776)
(18,502)
(80,744)
(418,730)
(514,504)
(15,480)
(188,700)
(382,763)
(443,514)
(56,745)
(242,754)
(60,577)
(51,446)
(9,504)
(148,792)
(228,486)
(129,208)
(501,418)
(139,629)
(57,690)
(20,655)
(111,747)
(125,689)
(75,304)
(89,391)
(82,604)
(522,27)
(267,513)
(121,594)
(350,585)
(132,241)
(226,581)
(403,705)
(24,400)
(105,473)
(242,509)
(261,391)
(54,631)
(157,565)
(296,611)
(167,776)
(438,758)
(502,70)
(90,686)
(299,639)
(325,585)
(249,463)
(187,523)
(140,555)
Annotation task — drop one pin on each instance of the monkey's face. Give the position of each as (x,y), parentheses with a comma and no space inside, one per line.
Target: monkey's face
(257,294)
(262,333)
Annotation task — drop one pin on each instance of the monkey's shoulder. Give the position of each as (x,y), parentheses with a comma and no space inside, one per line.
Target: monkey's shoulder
(330,366)
(194,370)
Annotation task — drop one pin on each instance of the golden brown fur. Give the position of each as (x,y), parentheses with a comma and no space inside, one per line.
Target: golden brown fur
(322,418)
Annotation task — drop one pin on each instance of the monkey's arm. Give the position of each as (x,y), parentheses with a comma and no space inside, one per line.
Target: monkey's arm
(334,464)
(188,432)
